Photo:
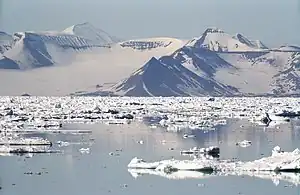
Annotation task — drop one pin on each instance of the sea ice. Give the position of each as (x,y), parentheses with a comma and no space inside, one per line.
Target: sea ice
(20,150)
(279,161)
(244,143)
(173,113)
(213,151)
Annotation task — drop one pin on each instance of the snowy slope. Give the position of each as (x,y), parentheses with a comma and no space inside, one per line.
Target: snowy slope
(40,49)
(166,77)
(287,81)
(32,50)
(250,72)
(6,42)
(90,32)
(44,49)
(216,39)
(200,61)
(88,70)
(153,43)
(288,48)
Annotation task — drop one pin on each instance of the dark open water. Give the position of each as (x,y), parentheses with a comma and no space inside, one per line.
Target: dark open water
(100,173)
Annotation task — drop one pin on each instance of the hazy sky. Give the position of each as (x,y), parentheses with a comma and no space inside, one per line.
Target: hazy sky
(275,22)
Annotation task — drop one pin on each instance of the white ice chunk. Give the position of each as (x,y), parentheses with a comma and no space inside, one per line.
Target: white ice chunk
(244,143)
(84,150)
(279,161)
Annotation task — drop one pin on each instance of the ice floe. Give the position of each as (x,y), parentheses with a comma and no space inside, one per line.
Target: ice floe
(280,165)
(21,141)
(84,150)
(244,143)
(213,151)
(279,161)
(21,150)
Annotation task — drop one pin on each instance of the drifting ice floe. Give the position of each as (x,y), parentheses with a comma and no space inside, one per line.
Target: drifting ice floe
(50,131)
(11,150)
(279,161)
(84,150)
(244,143)
(188,136)
(20,141)
(213,151)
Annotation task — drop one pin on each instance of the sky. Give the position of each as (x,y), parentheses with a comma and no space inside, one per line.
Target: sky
(275,22)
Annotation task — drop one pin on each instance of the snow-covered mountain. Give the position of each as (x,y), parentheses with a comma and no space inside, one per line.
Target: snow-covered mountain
(38,49)
(216,63)
(213,65)
(88,31)
(28,50)
(167,77)
(32,50)
(216,39)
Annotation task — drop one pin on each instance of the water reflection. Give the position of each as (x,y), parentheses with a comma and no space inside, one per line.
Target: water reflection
(73,173)
(293,178)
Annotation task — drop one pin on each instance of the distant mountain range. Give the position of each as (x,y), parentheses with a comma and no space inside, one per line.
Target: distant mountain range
(214,64)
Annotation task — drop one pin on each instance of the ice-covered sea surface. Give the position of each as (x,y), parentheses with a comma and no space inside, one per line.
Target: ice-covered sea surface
(94,139)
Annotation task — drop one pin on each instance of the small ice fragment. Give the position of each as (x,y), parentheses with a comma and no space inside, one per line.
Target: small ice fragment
(211,99)
(296,151)
(213,150)
(62,143)
(84,150)
(188,136)
(276,181)
(276,150)
(163,142)
(10,113)
(244,143)
(141,142)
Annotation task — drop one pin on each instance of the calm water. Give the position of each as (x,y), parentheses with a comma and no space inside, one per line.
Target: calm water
(100,173)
